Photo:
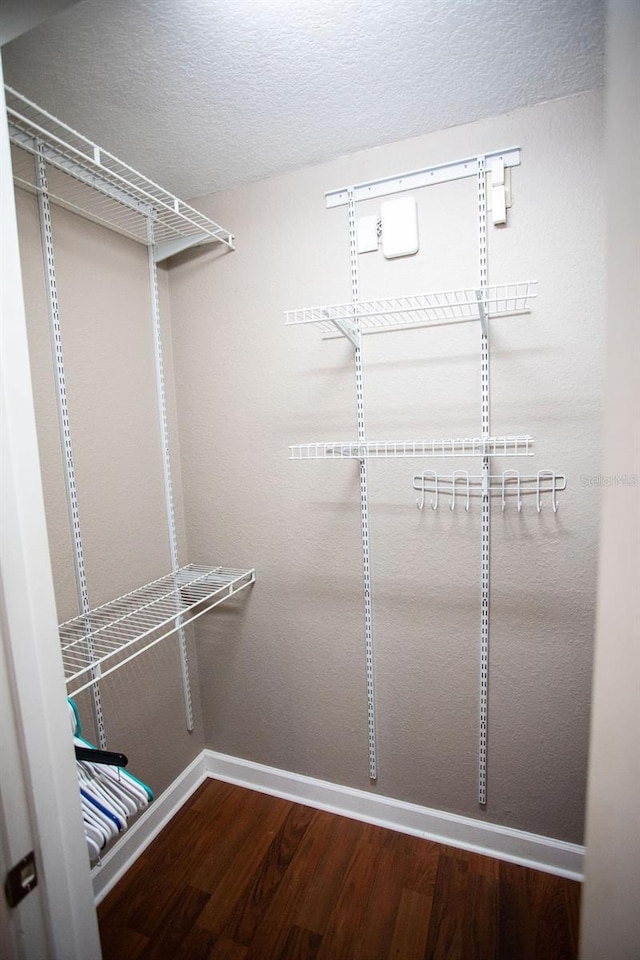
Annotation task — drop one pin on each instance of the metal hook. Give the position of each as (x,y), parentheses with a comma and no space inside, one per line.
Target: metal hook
(547,475)
(554,494)
(463,475)
(423,481)
(511,475)
(539,476)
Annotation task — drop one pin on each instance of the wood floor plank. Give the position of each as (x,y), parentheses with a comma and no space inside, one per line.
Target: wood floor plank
(239,818)
(168,861)
(345,928)
(480,919)
(476,863)
(446,925)
(242,868)
(324,859)
(197,944)
(176,923)
(120,941)
(572,896)
(533,916)
(210,795)
(310,886)
(227,950)
(362,922)
(251,907)
(168,868)
(464,914)
(422,866)
(411,927)
(163,858)
(301,944)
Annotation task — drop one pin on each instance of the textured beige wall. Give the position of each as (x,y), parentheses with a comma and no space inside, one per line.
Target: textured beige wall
(103,289)
(282,669)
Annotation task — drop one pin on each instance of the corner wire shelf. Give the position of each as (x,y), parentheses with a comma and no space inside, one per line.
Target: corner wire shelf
(519,446)
(93,183)
(119,631)
(424,309)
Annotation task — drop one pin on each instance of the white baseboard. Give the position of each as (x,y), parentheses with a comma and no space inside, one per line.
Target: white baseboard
(490,839)
(137,838)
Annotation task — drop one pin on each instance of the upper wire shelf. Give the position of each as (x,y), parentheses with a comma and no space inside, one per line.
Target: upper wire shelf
(138,620)
(90,181)
(515,446)
(424,309)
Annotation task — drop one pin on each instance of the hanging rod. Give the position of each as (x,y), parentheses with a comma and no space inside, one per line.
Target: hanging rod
(462,486)
(95,184)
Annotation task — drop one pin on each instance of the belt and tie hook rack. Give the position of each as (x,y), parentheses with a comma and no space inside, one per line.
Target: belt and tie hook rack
(461,486)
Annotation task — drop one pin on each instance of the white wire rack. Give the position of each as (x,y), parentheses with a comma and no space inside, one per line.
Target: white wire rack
(425,309)
(122,629)
(90,181)
(460,486)
(455,447)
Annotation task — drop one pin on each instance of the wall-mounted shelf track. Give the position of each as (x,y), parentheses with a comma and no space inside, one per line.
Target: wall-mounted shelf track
(384,449)
(480,304)
(62,166)
(90,181)
(104,639)
(424,309)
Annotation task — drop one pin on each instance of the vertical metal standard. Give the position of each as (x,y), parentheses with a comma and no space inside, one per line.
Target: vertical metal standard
(364,496)
(166,465)
(486,494)
(65,432)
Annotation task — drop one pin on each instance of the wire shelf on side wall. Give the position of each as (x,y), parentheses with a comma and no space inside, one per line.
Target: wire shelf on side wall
(90,181)
(136,621)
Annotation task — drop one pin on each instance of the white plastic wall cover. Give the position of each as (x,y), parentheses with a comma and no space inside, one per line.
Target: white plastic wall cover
(399,227)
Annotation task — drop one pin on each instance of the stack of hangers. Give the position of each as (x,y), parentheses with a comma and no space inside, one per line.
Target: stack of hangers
(110,795)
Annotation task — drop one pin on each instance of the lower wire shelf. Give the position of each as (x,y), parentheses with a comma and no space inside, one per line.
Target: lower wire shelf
(104,639)
(511,446)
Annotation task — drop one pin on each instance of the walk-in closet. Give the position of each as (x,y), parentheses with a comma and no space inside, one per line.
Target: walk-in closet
(317,408)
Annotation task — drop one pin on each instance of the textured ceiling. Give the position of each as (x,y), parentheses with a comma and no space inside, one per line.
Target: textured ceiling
(204,94)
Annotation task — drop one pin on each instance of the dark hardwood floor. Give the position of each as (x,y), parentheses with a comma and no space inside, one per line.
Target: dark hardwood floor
(239,875)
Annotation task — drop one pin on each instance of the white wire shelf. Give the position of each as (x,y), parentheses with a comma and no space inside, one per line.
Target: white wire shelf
(103,640)
(90,181)
(455,447)
(424,309)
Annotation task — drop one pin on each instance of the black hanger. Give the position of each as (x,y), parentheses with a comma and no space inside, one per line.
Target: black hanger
(107,757)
